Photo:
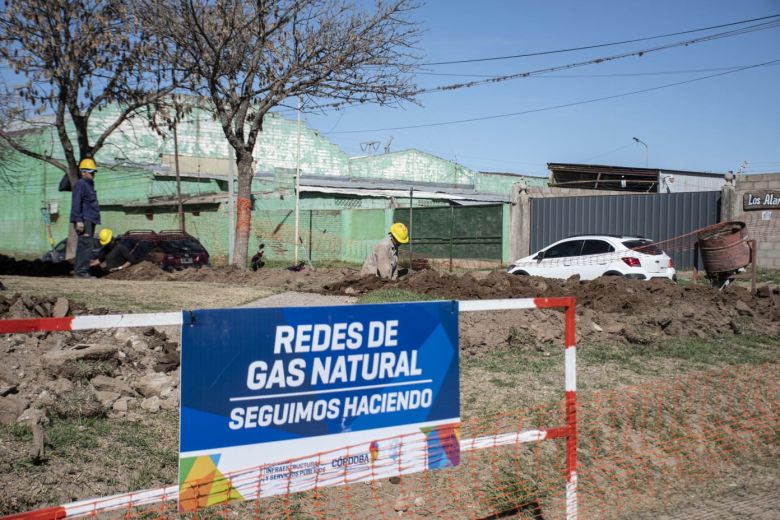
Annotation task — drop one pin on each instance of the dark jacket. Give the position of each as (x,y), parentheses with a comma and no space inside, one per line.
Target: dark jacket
(115,254)
(84,203)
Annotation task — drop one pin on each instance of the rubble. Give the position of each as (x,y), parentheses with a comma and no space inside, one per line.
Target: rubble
(11,408)
(20,306)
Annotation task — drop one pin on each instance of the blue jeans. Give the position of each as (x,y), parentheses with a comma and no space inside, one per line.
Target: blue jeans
(84,250)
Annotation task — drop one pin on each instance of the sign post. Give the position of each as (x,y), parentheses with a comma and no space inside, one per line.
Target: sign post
(264,389)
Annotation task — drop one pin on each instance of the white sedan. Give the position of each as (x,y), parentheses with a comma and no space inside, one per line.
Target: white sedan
(591,256)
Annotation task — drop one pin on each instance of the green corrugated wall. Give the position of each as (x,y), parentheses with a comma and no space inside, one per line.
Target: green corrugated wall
(332,227)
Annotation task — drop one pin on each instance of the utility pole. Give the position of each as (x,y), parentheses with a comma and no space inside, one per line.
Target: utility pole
(298,184)
(231,207)
(182,227)
(411,204)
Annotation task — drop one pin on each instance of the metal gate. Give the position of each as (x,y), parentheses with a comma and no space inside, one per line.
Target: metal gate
(660,217)
(474,232)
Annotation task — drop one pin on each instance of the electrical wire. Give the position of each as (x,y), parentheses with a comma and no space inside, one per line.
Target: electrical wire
(580,76)
(596,61)
(599,45)
(565,105)
(498,79)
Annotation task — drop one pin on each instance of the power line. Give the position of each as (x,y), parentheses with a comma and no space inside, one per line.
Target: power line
(579,76)
(566,105)
(498,79)
(596,61)
(599,45)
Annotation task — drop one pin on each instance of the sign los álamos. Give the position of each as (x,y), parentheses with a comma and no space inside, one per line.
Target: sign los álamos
(761,200)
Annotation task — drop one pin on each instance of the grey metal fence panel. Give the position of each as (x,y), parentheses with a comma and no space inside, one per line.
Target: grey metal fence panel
(660,217)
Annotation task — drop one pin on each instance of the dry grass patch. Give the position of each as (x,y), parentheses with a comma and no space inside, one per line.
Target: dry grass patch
(139,296)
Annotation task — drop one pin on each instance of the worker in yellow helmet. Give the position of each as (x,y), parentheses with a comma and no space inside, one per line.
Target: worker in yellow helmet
(84,215)
(383,260)
(114,255)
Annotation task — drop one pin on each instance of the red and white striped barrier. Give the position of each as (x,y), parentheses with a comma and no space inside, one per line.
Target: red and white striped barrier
(168,493)
(108,321)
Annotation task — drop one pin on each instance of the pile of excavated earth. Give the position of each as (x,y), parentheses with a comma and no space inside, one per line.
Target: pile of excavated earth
(122,373)
(609,309)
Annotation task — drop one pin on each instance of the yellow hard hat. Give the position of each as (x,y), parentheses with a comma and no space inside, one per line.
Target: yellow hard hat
(400,232)
(87,164)
(105,236)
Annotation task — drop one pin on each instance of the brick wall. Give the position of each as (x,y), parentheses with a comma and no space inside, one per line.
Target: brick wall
(763,225)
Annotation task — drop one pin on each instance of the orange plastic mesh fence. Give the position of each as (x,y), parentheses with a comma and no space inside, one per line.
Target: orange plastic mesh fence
(665,443)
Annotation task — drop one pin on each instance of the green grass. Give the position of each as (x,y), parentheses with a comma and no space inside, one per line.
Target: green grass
(769,276)
(694,353)
(138,295)
(602,366)
(764,277)
(393,295)
(115,455)
(84,369)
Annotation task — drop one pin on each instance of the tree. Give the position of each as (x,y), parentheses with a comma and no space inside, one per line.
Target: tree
(249,56)
(76,57)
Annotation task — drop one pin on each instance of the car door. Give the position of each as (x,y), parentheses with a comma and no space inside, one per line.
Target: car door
(560,260)
(595,258)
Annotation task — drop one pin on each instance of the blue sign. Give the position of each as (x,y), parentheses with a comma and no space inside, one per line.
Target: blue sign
(252,376)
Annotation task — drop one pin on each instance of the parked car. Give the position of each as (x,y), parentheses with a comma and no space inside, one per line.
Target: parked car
(172,250)
(57,253)
(591,256)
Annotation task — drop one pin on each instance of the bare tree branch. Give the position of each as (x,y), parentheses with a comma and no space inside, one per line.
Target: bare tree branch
(249,56)
(78,56)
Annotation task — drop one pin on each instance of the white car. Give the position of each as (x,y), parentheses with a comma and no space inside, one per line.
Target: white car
(591,256)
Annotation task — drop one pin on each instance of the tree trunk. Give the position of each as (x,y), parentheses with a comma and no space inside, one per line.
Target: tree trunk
(244,162)
(73,176)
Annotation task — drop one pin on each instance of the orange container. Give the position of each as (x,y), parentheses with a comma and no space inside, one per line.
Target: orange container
(724,247)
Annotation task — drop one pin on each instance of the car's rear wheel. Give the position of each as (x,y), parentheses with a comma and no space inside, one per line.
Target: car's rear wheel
(613,273)
(520,273)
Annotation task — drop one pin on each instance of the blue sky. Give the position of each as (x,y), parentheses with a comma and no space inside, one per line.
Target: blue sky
(709,125)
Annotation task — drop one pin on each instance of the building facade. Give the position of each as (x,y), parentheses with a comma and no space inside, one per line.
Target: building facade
(346,203)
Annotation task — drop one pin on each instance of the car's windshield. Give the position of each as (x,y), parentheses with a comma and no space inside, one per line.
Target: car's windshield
(643,245)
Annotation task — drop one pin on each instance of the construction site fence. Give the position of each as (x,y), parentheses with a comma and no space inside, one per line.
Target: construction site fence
(643,451)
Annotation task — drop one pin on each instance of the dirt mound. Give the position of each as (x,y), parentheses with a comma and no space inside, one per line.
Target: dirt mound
(609,308)
(140,271)
(305,280)
(11,266)
(81,374)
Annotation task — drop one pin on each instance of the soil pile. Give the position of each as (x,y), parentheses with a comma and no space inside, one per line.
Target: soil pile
(75,376)
(11,266)
(305,280)
(609,308)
